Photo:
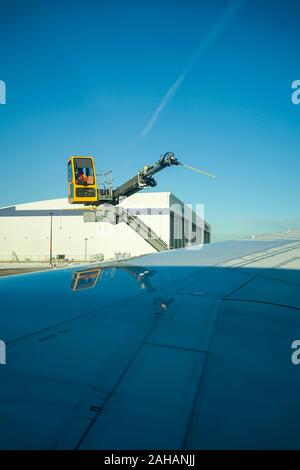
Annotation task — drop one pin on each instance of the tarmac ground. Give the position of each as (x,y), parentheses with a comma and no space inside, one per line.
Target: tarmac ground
(8,271)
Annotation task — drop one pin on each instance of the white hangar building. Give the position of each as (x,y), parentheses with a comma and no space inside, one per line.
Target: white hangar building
(26,230)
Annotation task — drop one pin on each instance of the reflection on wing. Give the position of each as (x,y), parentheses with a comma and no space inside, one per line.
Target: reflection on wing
(194,356)
(86,279)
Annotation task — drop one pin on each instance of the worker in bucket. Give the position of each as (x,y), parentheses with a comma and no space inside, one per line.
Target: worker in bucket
(81,177)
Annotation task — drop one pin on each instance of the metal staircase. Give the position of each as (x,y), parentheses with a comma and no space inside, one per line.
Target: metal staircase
(142,229)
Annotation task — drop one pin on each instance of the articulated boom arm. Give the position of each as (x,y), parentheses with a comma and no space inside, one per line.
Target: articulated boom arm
(144,178)
(82,184)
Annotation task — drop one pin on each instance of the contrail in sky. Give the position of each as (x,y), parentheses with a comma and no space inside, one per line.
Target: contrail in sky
(216,29)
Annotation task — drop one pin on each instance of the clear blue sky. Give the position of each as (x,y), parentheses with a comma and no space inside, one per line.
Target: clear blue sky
(85,77)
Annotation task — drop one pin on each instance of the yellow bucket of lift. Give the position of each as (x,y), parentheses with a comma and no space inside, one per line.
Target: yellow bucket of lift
(82,185)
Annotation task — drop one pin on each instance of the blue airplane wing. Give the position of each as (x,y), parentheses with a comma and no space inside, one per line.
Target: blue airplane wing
(185,349)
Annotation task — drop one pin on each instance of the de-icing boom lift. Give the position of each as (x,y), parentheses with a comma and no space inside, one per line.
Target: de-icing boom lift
(82,189)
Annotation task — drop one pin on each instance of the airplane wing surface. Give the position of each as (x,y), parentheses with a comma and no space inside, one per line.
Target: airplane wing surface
(185,349)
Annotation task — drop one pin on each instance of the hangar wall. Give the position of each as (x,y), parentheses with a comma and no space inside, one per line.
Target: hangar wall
(25,229)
